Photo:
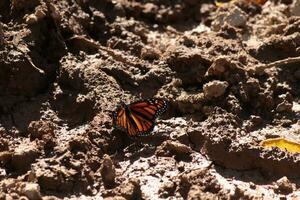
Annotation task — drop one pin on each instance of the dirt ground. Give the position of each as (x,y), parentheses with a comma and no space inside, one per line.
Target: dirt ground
(230,73)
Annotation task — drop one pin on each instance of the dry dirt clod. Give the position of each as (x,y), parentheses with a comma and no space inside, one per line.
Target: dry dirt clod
(38,129)
(131,190)
(219,66)
(31,19)
(169,148)
(5,157)
(284,186)
(215,89)
(167,189)
(32,191)
(23,156)
(236,17)
(284,107)
(107,170)
(197,192)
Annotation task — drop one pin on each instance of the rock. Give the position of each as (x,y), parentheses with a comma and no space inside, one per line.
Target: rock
(236,18)
(219,66)
(284,107)
(79,144)
(295,8)
(38,129)
(5,157)
(40,13)
(284,186)
(107,170)
(167,189)
(23,156)
(215,88)
(31,19)
(32,191)
(169,148)
(131,190)
(196,192)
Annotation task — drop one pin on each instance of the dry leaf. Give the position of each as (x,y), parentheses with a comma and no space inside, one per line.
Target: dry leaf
(283,144)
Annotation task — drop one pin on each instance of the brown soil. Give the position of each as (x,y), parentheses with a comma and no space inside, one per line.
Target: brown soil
(231,75)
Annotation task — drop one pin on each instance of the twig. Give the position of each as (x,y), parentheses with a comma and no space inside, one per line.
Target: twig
(260,69)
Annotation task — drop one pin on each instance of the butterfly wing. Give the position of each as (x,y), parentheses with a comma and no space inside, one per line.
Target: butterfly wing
(139,125)
(149,109)
(120,119)
(144,113)
(138,118)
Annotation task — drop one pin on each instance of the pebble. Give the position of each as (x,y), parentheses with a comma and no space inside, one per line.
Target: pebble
(215,88)
(32,191)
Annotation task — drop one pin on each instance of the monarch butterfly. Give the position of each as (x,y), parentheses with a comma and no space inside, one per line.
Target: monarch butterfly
(138,118)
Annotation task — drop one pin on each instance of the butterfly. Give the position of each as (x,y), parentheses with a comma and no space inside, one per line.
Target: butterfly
(138,118)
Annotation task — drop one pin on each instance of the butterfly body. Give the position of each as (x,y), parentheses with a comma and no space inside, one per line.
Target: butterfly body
(138,118)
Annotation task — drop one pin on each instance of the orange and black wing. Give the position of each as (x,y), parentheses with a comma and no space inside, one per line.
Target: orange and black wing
(131,123)
(120,119)
(138,119)
(142,114)
(149,109)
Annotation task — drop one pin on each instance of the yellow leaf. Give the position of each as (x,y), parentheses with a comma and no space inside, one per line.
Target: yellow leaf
(220,3)
(283,144)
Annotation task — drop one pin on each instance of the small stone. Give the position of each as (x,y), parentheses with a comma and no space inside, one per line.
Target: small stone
(5,157)
(218,67)
(31,19)
(107,170)
(196,192)
(284,186)
(23,156)
(38,129)
(169,148)
(131,190)
(167,189)
(40,13)
(32,191)
(284,107)
(215,88)
(236,18)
